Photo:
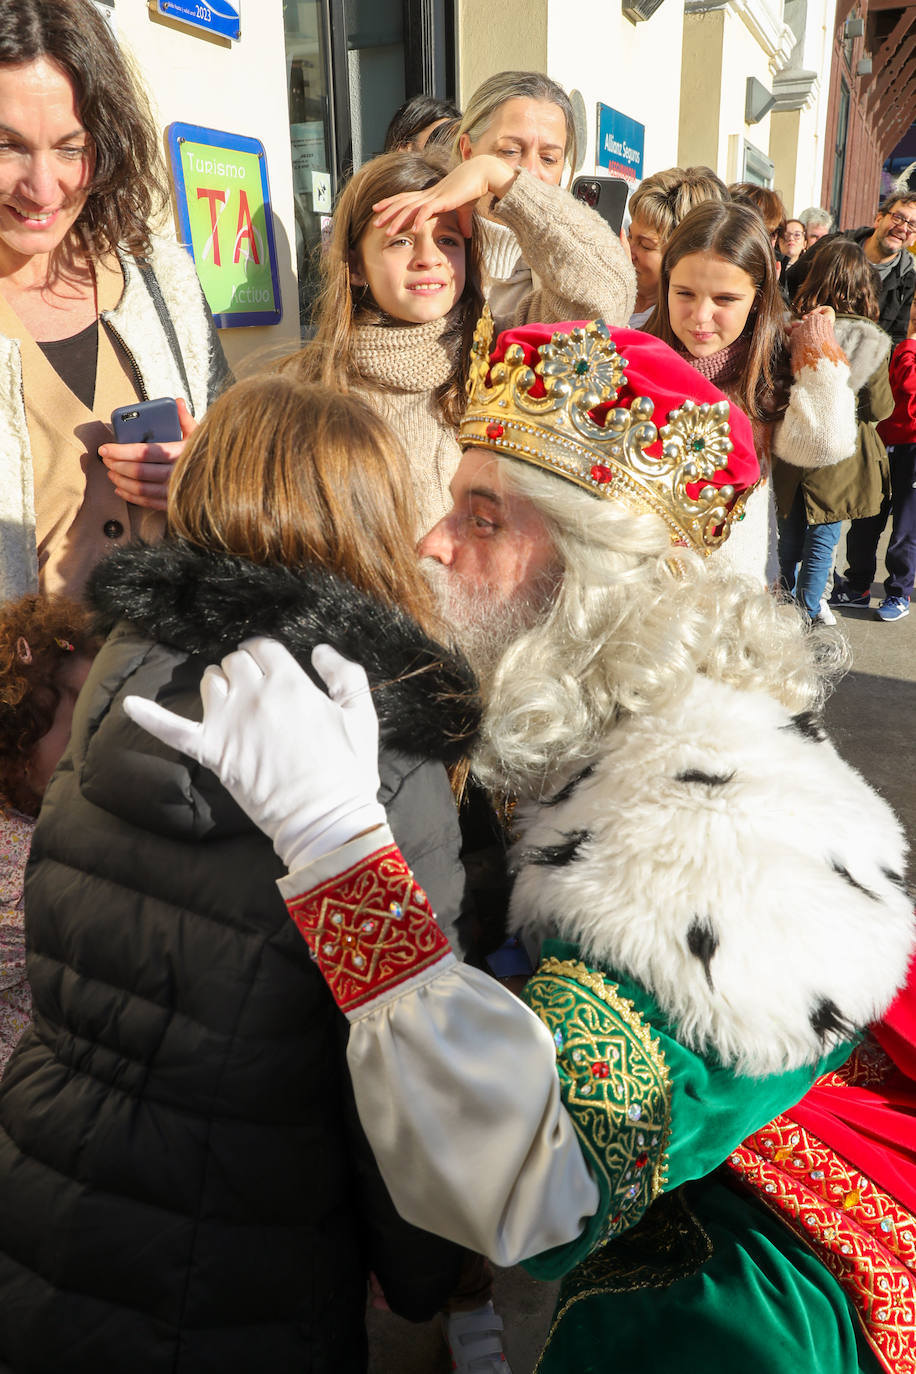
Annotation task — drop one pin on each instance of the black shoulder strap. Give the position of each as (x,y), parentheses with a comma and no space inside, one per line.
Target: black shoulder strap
(151,283)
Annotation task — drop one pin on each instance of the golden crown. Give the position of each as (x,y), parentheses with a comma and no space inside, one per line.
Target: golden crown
(581,370)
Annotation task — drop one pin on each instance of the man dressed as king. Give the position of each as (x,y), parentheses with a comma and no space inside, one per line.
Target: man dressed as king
(676,1117)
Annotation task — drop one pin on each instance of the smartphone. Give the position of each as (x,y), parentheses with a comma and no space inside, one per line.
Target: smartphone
(607,195)
(147,422)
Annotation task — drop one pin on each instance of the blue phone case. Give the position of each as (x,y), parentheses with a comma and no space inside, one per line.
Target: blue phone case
(147,422)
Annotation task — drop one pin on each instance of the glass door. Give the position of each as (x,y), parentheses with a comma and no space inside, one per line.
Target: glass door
(311,136)
(375,68)
(349,65)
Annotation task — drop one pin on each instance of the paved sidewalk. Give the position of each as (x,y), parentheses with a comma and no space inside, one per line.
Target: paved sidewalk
(397,1347)
(871,717)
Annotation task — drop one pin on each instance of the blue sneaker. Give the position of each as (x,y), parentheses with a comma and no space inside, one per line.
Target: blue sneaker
(893,608)
(845,595)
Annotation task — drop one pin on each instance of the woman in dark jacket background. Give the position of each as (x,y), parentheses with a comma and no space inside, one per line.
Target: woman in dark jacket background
(184,1185)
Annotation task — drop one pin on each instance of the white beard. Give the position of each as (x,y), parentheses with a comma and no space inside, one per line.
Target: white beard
(483,624)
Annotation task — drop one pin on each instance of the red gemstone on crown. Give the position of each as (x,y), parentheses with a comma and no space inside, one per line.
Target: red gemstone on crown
(601,474)
(495,430)
(642,1161)
(600,1070)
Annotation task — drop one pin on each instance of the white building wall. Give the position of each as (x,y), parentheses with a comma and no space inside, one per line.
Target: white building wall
(590,48)
(742,57)
(724,44)
(510,35)
(238,87)
(635,68)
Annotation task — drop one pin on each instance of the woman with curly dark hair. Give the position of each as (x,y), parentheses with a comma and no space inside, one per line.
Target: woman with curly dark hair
(46,651)
(95,311)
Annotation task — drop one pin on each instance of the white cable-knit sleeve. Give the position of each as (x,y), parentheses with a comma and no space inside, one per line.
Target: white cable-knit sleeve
(581,269)
(455,1078)
(819,426)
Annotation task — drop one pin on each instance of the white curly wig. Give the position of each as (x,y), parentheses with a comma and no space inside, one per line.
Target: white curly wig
(634,620)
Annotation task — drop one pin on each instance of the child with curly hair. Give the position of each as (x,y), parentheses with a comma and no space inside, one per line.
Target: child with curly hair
(46,650)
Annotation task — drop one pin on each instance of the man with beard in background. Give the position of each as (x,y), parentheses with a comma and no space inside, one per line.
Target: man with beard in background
(886,247)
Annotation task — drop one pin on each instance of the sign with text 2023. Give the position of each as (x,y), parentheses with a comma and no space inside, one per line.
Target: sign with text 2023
(223,200)
(214,16)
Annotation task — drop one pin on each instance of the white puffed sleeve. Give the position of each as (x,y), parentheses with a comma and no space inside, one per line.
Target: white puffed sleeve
(455,1078)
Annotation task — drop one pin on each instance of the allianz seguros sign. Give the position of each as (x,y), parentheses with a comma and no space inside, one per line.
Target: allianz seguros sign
(621,143)
(214,16)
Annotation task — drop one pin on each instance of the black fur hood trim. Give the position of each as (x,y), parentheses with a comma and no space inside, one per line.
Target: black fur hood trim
(205,604)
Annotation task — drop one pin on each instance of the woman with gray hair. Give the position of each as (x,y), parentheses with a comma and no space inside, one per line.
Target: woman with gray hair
(547,255)
(817,222)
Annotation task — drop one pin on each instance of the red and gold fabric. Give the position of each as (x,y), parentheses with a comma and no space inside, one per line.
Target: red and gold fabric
(841,1204)
(371,930)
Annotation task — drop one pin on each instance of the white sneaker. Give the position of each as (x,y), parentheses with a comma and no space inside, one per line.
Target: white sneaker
(825,615)
(474,1341)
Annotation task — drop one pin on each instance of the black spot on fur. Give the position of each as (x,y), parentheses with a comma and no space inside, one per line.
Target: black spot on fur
(566,792)
(556,855)
(809,724)
(845,874)
(702,941)
(710,779)
(828,1022)
(896,878)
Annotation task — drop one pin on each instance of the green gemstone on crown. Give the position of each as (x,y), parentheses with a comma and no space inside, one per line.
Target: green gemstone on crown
(698,445)
(581,367)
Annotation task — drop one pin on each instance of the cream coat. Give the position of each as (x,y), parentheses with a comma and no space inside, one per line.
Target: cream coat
(24,448)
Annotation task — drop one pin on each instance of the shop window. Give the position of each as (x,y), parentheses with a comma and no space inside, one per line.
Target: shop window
(375,71)
(310,135)
(758,168)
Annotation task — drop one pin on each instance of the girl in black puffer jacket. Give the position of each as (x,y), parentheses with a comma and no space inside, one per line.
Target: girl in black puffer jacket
(184,1184)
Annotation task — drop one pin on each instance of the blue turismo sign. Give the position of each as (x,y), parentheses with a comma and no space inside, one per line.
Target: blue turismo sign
(215,16)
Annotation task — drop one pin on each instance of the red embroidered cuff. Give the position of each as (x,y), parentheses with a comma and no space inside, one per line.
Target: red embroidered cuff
(370,929)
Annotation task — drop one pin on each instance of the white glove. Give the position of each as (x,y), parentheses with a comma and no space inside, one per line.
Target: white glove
(302,765)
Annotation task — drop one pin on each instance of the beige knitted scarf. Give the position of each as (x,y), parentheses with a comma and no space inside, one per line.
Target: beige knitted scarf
(409,357)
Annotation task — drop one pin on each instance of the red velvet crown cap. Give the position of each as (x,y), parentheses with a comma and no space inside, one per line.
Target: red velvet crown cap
(654,370)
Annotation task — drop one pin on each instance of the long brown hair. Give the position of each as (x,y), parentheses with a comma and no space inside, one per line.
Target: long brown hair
(841,276)
(127,187)
(287,472)
(736,234)
(769,204)
(329,357)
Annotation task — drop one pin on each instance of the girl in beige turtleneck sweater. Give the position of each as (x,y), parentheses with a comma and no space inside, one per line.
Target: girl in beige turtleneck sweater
(402,292)
(395,319)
